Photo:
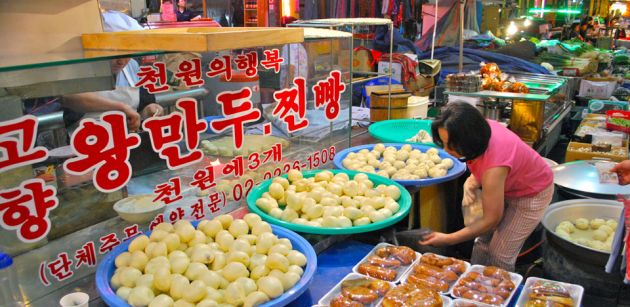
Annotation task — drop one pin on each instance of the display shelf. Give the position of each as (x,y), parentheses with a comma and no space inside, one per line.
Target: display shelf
(541,88)
(319,33)
(347,22)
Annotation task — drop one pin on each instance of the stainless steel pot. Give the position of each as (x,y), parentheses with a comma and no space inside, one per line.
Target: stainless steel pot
(571,210)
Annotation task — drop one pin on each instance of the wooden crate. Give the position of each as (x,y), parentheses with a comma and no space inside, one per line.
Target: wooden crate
(192,39)
(401,106)
(574,153)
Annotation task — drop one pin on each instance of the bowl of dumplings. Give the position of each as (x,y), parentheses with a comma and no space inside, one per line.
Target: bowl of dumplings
(407,164)
(584,227)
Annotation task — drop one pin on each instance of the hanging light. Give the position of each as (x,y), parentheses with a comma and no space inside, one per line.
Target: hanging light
(621,7)
(286,8)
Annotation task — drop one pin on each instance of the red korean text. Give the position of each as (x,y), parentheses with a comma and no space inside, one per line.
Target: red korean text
(26,209)
(103,147)
(238,111)
(291,106)
(190,73)
(166,132)
(272,60)
(153,78)
(17,143)
(328,93)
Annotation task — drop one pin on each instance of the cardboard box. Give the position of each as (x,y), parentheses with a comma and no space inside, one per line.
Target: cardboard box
(581,151)
(383,68)
(597,89)
(422,86)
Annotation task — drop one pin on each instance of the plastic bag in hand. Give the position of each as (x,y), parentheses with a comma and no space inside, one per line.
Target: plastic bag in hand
(472,208)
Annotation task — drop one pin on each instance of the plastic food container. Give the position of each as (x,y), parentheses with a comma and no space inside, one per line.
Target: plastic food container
(336,290)
(516,279)
(404,202)
(576,291)
(106,270)
(457,169)
(404,277)
(446,301)
(402,270)
(76,299)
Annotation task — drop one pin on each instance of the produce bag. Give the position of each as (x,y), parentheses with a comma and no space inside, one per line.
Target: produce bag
(472,209)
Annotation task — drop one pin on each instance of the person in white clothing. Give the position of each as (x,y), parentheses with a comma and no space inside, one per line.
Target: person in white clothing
(126,97)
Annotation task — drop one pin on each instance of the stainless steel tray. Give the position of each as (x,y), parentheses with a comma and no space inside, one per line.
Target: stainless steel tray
(571,210)
(541,88)
(582,176)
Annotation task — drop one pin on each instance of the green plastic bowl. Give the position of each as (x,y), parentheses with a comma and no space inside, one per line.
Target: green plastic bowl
(399,130)
(404,202)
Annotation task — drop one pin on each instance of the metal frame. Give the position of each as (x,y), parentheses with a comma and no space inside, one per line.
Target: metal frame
(353,23)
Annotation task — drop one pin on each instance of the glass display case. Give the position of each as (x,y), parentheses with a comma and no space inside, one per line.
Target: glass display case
(186,134)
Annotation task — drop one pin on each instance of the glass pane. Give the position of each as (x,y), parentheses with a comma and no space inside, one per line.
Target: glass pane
(31,61)
(85,220)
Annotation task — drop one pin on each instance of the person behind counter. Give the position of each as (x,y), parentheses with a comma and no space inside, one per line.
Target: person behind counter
(184,14)
(574,33)
(167,11)
(516,184)
(134,102)
(623,172)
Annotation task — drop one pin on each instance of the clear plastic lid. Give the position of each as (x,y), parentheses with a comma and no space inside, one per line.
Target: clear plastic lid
(5,260)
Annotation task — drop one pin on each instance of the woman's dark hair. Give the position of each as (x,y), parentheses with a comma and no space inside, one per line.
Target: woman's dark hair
(468,131)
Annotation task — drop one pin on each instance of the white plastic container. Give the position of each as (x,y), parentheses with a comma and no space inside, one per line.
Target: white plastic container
(516,279)
(576,291)
(9,292)
(446,301)
(76,299)
(401,270)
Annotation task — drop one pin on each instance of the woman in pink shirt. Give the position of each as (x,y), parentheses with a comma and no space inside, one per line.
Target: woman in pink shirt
(516,184)
(167,11)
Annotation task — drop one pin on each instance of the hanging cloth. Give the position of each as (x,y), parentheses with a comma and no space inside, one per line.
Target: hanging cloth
(341,10)
(373,9)
(385,7)
(363,8)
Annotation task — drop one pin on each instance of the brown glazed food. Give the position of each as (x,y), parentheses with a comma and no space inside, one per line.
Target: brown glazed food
(409,295)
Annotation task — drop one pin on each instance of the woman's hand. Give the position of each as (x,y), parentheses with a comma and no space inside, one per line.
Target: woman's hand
(151,110)
(133,118)
(623,172)
(437,239)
